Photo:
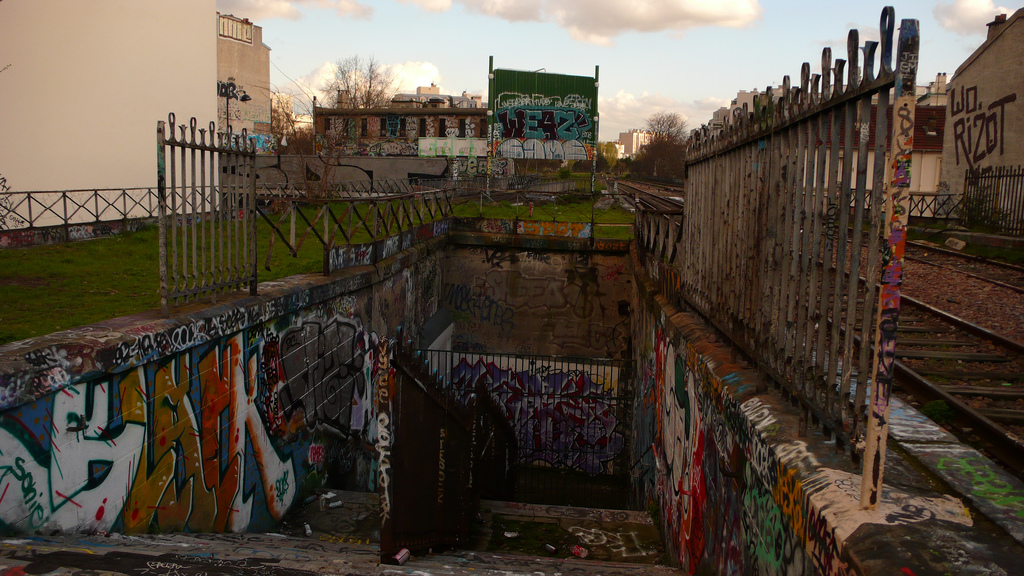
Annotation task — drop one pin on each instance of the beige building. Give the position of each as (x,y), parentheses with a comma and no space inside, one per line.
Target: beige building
(985,113)
(243,77)
(59,81)
(633,141)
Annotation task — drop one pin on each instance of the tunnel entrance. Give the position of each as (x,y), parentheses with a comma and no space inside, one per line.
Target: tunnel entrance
(569,416)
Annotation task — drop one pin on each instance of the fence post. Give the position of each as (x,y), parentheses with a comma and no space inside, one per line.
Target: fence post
(161,188)
(887,316)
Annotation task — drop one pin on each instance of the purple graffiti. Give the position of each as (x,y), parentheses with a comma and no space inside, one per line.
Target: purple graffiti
(562,418)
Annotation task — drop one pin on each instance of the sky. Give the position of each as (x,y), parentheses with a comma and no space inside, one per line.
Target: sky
(684,56)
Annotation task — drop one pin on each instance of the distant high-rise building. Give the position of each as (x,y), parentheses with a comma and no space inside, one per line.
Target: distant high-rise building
(633,141)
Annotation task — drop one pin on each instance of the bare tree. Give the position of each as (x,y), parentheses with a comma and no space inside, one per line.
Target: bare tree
(361,83)
(668,126)
(662,157)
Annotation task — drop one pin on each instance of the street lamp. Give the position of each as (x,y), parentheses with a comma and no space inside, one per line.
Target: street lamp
(229,91)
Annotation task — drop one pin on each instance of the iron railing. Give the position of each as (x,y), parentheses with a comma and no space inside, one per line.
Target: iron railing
(437,453)
(805,288)
(37,209)
(567,413)
(207,212)
(993,200)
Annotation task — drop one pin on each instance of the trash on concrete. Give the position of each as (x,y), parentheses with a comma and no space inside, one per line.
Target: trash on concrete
(551,548)
(511,535)
(337,504)
(580,551)
(402,556)
(309,531)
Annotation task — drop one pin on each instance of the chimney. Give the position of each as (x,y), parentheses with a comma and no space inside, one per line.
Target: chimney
(995,25)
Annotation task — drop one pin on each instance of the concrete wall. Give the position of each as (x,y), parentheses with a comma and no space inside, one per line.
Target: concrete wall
(739,491)
(527,301)
(314,171)
(217,420)
(97,77)
(985,112)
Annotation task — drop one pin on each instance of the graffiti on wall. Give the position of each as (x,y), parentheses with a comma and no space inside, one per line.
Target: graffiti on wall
(561,418)
(219,436)
(452,146)
(978,128)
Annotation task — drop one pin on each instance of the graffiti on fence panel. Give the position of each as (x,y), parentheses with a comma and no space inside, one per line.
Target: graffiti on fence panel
(563,418)
(323,369)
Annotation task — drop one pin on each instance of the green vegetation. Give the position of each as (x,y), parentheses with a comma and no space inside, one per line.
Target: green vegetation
(938,411)
(56,287)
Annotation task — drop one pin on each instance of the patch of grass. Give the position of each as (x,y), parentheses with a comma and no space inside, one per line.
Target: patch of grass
(60,286)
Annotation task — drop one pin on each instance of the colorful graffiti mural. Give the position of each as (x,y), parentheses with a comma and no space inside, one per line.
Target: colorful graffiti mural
(543,116)
(221,436)
(563,418)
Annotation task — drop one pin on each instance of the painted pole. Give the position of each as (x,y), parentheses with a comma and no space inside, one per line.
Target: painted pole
(887,316)
(490,122)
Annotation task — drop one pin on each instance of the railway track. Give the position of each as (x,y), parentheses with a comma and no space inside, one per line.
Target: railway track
(976,374)
(1002,274)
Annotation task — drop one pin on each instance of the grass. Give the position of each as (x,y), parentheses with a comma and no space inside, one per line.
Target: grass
(56,287)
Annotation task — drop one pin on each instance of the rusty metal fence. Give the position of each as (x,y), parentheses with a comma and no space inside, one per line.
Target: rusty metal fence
(439,452)
(993,200)
(570,417)
(768,253)
(207,212)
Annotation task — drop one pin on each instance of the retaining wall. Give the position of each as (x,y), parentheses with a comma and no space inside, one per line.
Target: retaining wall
(219,419)
(738,491)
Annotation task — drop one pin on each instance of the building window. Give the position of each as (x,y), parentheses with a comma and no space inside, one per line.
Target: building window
(327,124)
(401,127)
(362,128)
(423,127)
(462,127)
(442,128)
(383,132)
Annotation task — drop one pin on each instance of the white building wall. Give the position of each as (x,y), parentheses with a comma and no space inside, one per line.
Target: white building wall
(86,83)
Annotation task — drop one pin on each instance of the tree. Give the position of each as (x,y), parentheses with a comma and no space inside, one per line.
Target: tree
(663,156)
(361,83)
(667,126)
(610,154)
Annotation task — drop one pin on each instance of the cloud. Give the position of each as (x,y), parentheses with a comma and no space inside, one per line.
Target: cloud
(597,21)
(431,5)
(411,75)
(967,17)
(625,111)
(258,10)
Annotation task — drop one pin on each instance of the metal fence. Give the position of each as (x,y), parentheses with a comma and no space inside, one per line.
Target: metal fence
(805,288)
(438,452)
(207,212)
(69,207)
(570,417)
(993,200)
